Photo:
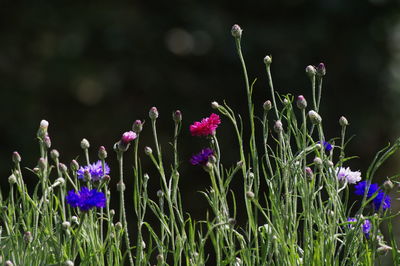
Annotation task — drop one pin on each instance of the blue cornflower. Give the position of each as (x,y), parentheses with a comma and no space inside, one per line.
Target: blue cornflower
(95,170)
(327,145)
(366,226)
(86,199)
(380,199)
(202,157)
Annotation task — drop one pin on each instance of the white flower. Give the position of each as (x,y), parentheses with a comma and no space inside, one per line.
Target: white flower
(344,174)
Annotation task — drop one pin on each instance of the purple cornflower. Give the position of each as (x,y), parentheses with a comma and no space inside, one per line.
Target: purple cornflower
(380,200)
(366,226)
(202,157)
(345,174)
(86,199)
(95,170)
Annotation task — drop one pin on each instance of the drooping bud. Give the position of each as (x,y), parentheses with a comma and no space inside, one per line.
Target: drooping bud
(102,153)
(301,102)
(63,168)
(278,126)
(214,105)
(311,71)
(16,157)
(315,118)
(54,154)
(137,126)
(148,150)
(236,31)
(153,113)
(321,70)
(85,144)
(267,105)
(343,121)
(268,60)
(177,116)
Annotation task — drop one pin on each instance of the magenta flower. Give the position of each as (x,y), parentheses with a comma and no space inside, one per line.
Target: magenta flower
(206,127)
(128,136)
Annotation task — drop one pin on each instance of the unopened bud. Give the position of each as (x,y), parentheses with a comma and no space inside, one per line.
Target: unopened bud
(278,126)
(102,153)
(59,181)
(143,244)
(177,116)
(148,150)
(9,263)
(309,173)
(112,212)
(87,176)
(85,144)
(74,165)
(146,177)
(137,126)
(42,164)
(311,71)
(28,238)
(212,159)
(47,142)
(106,178)
(118,226)
(75,219)
(120,186)
(315,118)
(160,193)
(343,121)
(268,60)
(321,70)
(16,157)
(301,102)
(54,154)
(160,258)
(232,221)
(267,105)
(68,263)
(208,167)
(286,102)
(329,163)
(388,185)
(63,168)
(66,225)
(236,31)
(12,179)
(153,113)
(250,195)
(214,105)
(318,161)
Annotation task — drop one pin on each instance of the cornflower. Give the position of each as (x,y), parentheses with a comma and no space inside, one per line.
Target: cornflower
(95,170)
(202,157)
(345,174)
(381,200)
(366,226)
(206,127)
(86,199)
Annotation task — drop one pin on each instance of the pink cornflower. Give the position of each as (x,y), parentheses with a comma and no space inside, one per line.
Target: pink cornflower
(206,127)
(128,136)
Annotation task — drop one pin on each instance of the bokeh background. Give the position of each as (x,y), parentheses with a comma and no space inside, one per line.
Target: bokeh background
(93,68)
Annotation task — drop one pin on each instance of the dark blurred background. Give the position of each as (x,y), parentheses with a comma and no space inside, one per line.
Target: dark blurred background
(91,69)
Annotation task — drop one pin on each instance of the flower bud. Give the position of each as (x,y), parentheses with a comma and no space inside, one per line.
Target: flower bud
(75,219)
(153,113)
(318,161)
(343,121)
(321,70)
(388,185)
(239,164)
(112,212)
(42,132)
(148,150)
(236,31)
(63,168)
(278,126)
(267,105)
(16,157)
(9,263)
(177,116)
(315,118)
(28,238)
(250,195)
(160,193)
(137,126)
(42,164)
(146,177)
(102,153)
(120,186)
(59,181)
(54,154)
(232,221)
(47,142)
(214,105)
(286,102)
(208,167)
(160,258)
(268,60)
(74,165)
(212,159)
(106,178)
(118,226)
(87,176)
(329,163)
(127,137)
(311,71)
(301,102)
(68,263)
(85,144)
(309,173)
(66,225)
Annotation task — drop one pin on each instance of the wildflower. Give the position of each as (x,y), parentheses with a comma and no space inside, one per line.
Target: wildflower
(315,118)
(321,70)
(268,60)
(137,126)
(127,137)
(343,121)
(86,199)
(345,174)
(301,102)
(366,226)
(267,105)
(236,31)
(95,170)
(381,200)
(206,127)
(202,157)
(153,113)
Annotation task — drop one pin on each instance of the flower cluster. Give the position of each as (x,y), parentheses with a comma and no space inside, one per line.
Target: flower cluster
(381,200)
(202,157)
(86,199)
(345,174)
(95,170)
(206,127)
(366,226)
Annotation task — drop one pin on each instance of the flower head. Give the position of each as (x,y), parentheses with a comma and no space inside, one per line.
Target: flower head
(345,174)
(86,199)
(202,157)
(127,137)
(381,200)
(95,170)
(366,226)
(206,127)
